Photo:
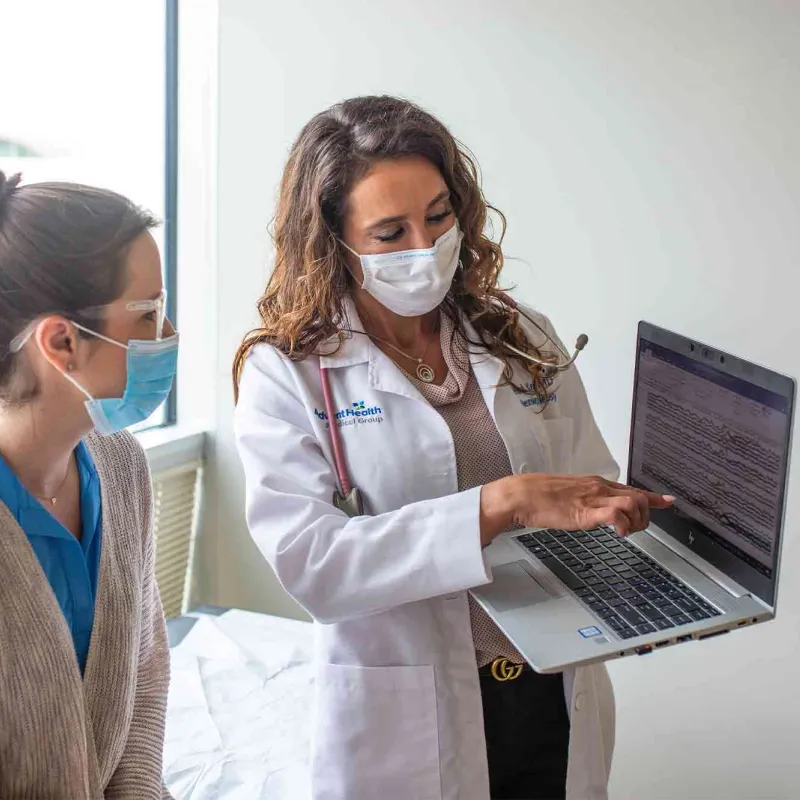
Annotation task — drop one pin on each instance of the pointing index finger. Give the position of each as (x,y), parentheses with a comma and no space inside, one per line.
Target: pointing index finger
(654,499)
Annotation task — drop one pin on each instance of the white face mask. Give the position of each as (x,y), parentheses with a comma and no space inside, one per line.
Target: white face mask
(412,282)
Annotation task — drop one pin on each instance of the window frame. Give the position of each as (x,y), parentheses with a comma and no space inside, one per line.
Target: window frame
(171,186)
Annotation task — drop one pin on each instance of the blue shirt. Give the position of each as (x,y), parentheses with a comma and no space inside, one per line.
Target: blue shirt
(70,566)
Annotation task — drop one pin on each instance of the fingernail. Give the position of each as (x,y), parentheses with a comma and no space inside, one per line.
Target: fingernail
(669,498)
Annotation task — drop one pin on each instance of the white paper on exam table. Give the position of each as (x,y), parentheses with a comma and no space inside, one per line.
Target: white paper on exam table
(238,717)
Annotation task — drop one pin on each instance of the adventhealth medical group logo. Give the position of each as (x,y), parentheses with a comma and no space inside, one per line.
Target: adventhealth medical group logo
(356,414)
(534,400)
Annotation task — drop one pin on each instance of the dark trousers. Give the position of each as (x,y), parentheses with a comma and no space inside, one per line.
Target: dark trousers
(527,736)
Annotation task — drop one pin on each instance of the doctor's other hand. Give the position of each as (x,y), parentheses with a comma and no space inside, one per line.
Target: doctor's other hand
(569,502)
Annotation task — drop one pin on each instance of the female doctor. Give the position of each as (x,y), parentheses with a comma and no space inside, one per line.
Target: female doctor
(441,430)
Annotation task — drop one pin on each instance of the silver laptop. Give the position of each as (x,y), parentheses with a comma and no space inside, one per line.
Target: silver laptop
(714,431)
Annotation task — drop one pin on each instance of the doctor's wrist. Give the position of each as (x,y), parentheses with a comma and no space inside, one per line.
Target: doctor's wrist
(497,509)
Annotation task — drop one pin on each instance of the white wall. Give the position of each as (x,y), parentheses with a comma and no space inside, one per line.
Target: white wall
(647,157)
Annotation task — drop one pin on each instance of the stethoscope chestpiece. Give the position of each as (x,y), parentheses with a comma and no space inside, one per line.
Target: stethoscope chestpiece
(352,504)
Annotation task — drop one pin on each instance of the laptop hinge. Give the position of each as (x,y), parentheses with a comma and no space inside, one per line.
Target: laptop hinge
(711,572)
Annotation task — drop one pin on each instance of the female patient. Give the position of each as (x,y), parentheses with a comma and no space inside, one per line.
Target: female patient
(85,351)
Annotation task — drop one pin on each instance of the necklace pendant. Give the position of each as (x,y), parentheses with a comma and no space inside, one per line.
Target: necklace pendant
(426,373)
(53,501)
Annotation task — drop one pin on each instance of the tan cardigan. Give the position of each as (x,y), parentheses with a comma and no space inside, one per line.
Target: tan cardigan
(67,738)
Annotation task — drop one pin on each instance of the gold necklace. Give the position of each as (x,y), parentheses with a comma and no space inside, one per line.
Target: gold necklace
(425,372)
(54,498)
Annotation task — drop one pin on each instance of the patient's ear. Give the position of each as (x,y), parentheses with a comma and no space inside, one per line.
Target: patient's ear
(56,340)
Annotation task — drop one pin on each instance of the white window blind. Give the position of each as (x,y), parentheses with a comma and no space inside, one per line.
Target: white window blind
(176,495)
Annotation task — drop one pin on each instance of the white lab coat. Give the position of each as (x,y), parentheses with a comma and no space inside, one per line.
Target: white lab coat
(398,704)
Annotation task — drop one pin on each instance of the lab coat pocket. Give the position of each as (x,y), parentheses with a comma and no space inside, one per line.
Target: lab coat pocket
(376,734)
(557,436)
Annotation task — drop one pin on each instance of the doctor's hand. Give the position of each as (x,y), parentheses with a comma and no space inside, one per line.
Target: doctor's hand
(569,502)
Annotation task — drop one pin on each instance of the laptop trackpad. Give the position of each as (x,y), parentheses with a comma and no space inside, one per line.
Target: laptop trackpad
(512,588)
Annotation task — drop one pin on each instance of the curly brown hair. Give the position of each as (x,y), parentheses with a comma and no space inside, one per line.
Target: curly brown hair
(303,304)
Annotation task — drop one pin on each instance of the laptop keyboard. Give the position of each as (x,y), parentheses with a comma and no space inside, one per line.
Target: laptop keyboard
(632,593)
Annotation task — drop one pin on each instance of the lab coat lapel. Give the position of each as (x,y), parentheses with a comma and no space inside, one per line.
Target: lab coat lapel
(383,374)
(488,369)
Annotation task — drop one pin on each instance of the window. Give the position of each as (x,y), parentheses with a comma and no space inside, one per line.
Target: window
(15,149)
(90,95)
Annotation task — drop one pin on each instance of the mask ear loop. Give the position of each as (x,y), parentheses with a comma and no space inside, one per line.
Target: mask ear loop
(101,336)
(159,305)
(77,385)
(344,244)
(347,246)
(19,341)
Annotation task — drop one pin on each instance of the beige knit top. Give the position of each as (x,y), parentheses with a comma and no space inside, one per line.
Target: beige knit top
(481,457)
(67,738)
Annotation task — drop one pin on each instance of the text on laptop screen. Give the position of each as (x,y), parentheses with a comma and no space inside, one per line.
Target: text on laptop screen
(718,444)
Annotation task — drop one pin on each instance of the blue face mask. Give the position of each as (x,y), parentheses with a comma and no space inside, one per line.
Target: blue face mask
(152,365)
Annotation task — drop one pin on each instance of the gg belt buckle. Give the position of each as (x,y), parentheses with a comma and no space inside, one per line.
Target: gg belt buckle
(503,670)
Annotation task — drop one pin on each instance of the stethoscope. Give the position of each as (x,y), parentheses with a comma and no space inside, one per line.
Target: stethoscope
(347,497)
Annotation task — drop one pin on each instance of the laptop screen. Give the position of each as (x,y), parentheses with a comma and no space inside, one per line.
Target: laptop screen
(714,431)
